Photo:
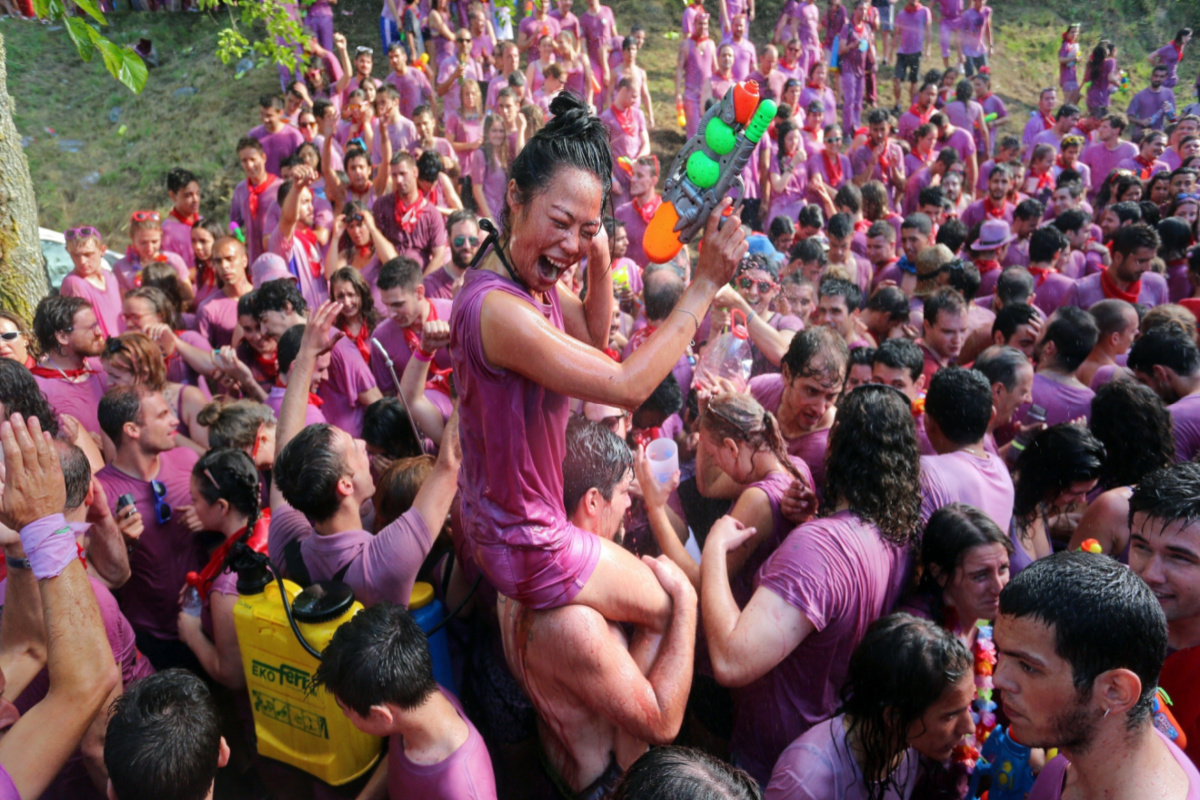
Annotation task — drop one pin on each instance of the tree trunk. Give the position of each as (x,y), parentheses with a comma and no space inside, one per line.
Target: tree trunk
(23,279)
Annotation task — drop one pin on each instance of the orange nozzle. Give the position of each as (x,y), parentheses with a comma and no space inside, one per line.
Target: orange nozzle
(661,242)
(745,101)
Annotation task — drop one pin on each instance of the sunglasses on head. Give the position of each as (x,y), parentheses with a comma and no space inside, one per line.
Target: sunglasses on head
(82,232)
(763,286)
(459,241)
(145,216)
(360,50)
(162,509)
(354,218)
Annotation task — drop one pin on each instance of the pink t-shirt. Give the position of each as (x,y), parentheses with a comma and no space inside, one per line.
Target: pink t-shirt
(279,145)
(1063,403)
(177,239)
(216,318)
(312,414)
(635,229)
(80,400)
(841,574)
(1088,291)
(106,302)
(253,225)
(465,775)
(1102,161)
(820,766)
(128,267)
(439,285)
(349,376)
(1049,785)
(1185,413)
(961,477)
(165,553)
(414,90)
(912,26)
(391,336)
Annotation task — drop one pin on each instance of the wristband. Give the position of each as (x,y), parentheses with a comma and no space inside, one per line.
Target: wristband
(1016,445)
(421,355)
(751,316)
(49,545)
(15,562)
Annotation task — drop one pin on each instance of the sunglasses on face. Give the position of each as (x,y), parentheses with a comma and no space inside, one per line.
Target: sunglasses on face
(763,286)
(162,509)
(145,216)
(9,336)
(459,241)
(83,232)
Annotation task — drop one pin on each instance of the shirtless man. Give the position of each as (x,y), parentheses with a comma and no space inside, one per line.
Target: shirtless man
(601,698)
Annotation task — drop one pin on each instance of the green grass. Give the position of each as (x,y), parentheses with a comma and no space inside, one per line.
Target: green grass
(115,173)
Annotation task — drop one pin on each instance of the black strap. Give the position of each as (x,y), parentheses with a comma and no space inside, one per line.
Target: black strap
(341,573)
(294,561)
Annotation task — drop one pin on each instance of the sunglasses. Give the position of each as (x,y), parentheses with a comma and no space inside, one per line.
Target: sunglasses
(145,216)
(465,41)
(113,346)
(763,286)
(162,509)
(83,232)
(1192,196)
(459,241)
(360,50)
(358,218)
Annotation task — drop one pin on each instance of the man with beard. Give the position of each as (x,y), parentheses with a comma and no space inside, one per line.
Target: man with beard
(639,210)
(1149,107)
(1165,553)
(601,696)
(70,338)
(408,219)
(1081,642)
(462,231)
(1129,276)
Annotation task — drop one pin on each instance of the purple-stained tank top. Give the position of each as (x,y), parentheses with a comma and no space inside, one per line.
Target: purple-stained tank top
(513,431)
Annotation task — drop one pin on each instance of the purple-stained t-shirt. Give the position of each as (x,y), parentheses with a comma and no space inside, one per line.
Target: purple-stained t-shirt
(598,30)
(428,234)
(810,447)
(841,574)
(414,90)
(128,268)
(683,367)
(1147,104)
(951,9)
(853,61)
(808,94)
(1105,85)
(391,336)
(1169,57)
(462,129)
(816,166)
(1185,414)
(820,766)
(216,318)
(968,117)
(466,774)
(253,226)
(962,477)
(401,133)
(622,142)
(961,140)
(73,781)
(1088,291)
(80,400)
(745,56)
(911,25)
(635,229)
(1052,289)
(301,260)
(570,22)
(972,24)
(1049,784)
(864,156)
(349,376)
(793,197)
(698,65)
(439,285)
(975,214)
(165,553)
(780,322)
(1103,161)
(534,29)
(492,180)
(279,145)
(312,414)
(1063,403)
(178,370)
(106,302)
(774,486)
(177,239)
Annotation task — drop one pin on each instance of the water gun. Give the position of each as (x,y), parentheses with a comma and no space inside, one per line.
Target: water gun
(707,168)
(1006,762)
(235,231)
(620,276)
(1165,721)
(680,117)
(988,119)
(833,55)
(1123,83)
(626,164)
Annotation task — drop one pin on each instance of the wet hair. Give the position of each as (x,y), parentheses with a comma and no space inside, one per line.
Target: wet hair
(573,138)
(1168,314)
(944,299)
(1000,364)
(873,461)
(1103,617)
(386,426)
(278,295)
(596,458)
(874,201)
(307,471)
(780,226)
(861,357)
(918,221)
(837,287)
(959,400)
(55,314)
(160,286)
(1129,238)
(118,406)
(1110,316)
(1134,425)
(811,216)
(953,234)
(178,178)
(163,739)
(140,356)
(1015,286)
(666,399)
(892,301)
(738,416)
(952,530)
(1056,458)
(817,344)
(881,229)
(77,473)
(1169,494)
(20,394)
(429,166)
(850,197)
(379,656)
(808,250)
(1074,334)
(399,273)
(397,488)
(1168,346)
(1011,317)
(902,666)
(234,423)
(900,354)
(684,773)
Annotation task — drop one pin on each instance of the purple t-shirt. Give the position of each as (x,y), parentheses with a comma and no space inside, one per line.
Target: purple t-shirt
(216,318)
(279,145)
(8,789)
(492,180)
(253,225)
(1049,784)
(1148,103)
(1102,161)
(1169,57)
(274,401)
(439,285)
(391,336)
(635,229)
(911,25)
(127,268)
(106,302)
(961,477)
(820,766)
(349,376)
(598,29)
(414,90)
(401,133)
(1052,289)
(165,553)
(466,774)
(428,234)
(972,24)
(1088,291)
(1185,414)
(1063,403)
(842,575)
(80,400)
(177,239)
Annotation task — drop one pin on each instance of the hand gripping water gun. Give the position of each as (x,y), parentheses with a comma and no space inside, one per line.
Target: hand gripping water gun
(707,168)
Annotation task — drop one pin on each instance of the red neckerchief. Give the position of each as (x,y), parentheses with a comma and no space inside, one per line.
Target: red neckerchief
(439,378)
(308,238)
(833,167)
(255,191)
(991,210)
(1044,181)
(925,158)
(268,364)
(314,400)
(1047,120)
(922,117)
(1041,273)
(646,210)
(863,225)
(1178,50)
(1147,166)
(810,84)
(639,337)
(61,374)
(1114,292)
(360,340)
(364,250)
(1060,163)
(913,8)
(696,37)
(884,163)
(859,29)
(625,119)
(986,266)
(257,541)
(407,215)
(189,220)
(29,362)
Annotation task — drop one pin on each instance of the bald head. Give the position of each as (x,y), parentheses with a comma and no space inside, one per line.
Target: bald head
(661,287)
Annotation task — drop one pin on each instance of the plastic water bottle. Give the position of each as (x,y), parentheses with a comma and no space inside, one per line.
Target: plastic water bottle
(192,604)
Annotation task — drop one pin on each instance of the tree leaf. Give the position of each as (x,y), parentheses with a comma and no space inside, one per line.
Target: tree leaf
(123,63)
(92,10)
(81,34)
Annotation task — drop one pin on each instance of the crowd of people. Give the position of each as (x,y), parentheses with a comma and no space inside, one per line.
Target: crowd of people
(928,511)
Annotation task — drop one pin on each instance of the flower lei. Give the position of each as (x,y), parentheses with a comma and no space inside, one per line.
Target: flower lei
(983,707)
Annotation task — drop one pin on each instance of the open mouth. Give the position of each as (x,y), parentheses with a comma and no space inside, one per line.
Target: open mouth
(551,269)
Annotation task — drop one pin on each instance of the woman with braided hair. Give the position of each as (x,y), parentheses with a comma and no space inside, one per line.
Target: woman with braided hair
(225,498)
(741,457)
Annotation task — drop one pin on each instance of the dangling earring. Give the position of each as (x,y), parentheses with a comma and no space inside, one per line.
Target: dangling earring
(1107,711)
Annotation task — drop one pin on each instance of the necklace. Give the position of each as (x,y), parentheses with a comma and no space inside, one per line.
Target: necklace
(983,707)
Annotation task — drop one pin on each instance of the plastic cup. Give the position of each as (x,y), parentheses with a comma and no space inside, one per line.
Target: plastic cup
(664,459)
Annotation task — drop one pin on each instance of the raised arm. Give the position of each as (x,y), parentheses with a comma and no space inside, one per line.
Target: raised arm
(383,175)
(295,400)
(425,414)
